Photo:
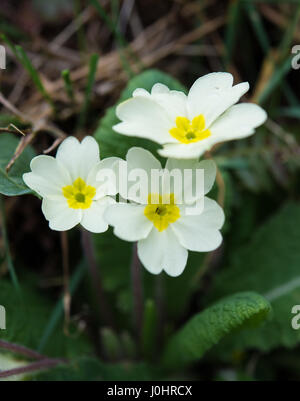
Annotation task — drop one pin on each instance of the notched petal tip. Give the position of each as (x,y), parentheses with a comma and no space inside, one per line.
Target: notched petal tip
(159,88)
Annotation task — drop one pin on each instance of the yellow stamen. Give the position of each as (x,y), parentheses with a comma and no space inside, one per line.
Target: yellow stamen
(161,211)
(79,195)
(188,132)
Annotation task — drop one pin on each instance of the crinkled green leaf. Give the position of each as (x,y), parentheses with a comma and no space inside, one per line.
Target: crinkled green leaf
(270,265)
(208,327)
(12,184)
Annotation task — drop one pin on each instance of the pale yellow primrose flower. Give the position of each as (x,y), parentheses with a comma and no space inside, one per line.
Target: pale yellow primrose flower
(68,185)
(187,126)
(163,229)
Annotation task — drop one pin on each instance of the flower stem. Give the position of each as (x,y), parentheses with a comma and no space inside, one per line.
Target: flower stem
(137,289)
(160,306)
(58,310)
(104,308)
(66,275)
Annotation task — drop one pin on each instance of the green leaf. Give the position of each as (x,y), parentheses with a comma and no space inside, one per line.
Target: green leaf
(26,319)
(91,369)
(268,264)
(111,344)
(6,119)
(9,262)
(12,184)
(208,327)
(114,144)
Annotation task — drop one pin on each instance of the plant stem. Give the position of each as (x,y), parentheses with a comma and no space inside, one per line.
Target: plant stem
(65,263)
(137,289)
(58,310)
(160,307)
(39,365)
(21,350)
(104,308)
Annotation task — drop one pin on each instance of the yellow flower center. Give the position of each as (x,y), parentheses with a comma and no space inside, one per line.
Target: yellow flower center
(79,195)
(161,212)
(188,132)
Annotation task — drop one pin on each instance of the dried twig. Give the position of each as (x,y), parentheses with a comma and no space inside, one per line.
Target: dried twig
(37,125)
(13,109)
(109,65)
(24,141)
(55,144)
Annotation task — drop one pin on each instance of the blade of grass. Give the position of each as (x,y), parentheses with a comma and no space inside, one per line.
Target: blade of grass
(58,311)
(233,17)
(276,79)
(114,28)
(27,64)
(80,30)
(290,95)
(264,42)
(88,91)
(284,49)
(8,258)
(68,84)
(286,42)
(10,45)
(115,13)
(258,27)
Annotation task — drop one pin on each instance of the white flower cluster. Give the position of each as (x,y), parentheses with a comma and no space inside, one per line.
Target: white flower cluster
(186,126)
